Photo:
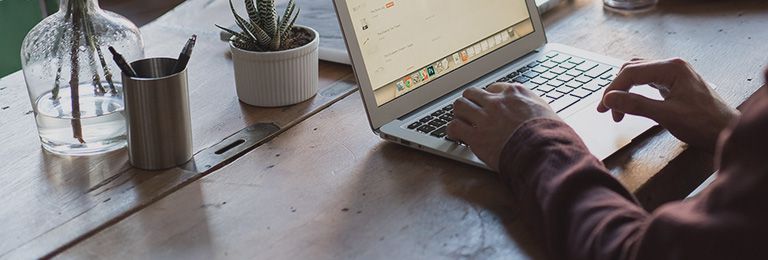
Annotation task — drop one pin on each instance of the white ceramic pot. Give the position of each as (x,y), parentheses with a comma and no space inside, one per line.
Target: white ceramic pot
(279,78)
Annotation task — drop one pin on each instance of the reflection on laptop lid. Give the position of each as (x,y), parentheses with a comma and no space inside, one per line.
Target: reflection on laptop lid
(407,44)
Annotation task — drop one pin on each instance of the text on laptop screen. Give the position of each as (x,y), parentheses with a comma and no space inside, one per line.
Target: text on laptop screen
(407,44)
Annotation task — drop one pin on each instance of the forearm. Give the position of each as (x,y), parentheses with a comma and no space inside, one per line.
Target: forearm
(583,211)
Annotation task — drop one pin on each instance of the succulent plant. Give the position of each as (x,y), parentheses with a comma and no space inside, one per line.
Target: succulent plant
(264,30)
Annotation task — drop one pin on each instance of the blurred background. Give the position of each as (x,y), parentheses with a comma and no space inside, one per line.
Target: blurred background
(17,17)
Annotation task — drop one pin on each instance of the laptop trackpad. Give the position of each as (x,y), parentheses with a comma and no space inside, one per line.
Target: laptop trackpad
(601,134)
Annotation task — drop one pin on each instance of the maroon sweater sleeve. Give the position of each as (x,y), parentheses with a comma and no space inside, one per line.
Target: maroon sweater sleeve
(582,212)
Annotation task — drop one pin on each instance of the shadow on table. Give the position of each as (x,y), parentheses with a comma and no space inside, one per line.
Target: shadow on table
(675,180)
(698,8)
(82,174)
(80,184)
(712,7)
(676,7)
(478,191)
(185,243)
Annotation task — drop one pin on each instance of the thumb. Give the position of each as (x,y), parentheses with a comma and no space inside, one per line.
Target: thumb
(633,104)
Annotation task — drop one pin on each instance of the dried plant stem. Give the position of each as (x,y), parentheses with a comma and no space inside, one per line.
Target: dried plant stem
(93,47)
(74,82)
(60,61)
(93,42)
(98,89)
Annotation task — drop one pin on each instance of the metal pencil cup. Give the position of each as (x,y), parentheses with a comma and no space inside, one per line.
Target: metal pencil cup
(157,115)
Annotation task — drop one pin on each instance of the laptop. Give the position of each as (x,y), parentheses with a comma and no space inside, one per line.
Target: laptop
(413,59)
(321,16)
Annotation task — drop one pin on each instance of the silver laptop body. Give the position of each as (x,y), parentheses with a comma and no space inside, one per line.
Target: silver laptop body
(407,75)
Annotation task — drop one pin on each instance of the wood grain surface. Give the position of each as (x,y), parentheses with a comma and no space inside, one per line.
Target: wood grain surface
(328,188)
(51,201)
(325,189)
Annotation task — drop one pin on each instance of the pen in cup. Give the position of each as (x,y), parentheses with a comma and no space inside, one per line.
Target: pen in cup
(185,54)
(124,66)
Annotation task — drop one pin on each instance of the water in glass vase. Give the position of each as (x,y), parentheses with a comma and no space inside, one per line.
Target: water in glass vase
(99,127)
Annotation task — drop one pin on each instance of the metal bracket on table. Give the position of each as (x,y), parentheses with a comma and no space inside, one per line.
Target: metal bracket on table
(247,139)
(231,147)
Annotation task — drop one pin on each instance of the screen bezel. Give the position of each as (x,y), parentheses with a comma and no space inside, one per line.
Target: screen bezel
(380,115)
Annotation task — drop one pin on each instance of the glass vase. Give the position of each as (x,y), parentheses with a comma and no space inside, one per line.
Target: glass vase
(74,85)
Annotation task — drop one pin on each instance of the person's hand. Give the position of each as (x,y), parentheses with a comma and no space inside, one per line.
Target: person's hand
(691,110)
(486,119)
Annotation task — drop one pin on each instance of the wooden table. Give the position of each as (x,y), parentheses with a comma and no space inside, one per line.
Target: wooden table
(326,187)
(51,201)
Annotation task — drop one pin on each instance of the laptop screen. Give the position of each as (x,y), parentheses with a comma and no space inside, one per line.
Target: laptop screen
(407,44)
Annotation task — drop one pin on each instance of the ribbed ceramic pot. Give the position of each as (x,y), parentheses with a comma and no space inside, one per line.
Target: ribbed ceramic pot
(279,78)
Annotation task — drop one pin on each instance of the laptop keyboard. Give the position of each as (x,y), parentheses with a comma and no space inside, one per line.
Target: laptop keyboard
(560,79)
